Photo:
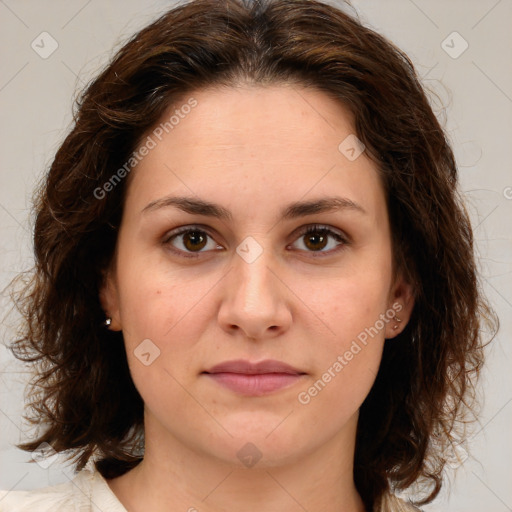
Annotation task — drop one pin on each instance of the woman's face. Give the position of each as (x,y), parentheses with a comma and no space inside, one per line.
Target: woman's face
(247,282)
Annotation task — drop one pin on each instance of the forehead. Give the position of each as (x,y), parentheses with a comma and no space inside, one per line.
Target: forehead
(246,141)
(274,114)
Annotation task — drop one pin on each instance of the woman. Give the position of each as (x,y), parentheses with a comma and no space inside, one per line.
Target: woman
(255,286)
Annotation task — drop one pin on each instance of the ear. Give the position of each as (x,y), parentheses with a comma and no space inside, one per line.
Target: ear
(401,301)
(109,299)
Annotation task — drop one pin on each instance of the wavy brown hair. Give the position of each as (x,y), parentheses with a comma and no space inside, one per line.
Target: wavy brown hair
(82,396)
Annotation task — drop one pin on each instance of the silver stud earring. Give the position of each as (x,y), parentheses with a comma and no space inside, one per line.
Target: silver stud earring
(107,322)
(395,327)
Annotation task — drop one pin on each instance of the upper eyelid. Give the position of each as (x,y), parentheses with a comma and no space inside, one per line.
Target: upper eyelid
(185,229)
(297,232)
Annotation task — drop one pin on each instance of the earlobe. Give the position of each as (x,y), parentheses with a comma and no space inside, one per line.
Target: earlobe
(109,302)
(402,303)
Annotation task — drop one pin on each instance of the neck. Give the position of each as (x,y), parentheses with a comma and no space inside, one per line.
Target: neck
(174,477)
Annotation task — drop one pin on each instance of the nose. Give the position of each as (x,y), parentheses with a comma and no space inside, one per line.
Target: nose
(254,300)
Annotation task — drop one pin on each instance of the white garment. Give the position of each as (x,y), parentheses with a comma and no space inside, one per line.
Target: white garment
(86,492)
(89,492)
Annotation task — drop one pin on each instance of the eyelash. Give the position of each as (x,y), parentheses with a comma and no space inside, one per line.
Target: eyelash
(315,228)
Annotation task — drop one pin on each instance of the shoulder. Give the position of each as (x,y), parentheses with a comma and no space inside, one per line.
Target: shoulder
(86,492)
(392,503)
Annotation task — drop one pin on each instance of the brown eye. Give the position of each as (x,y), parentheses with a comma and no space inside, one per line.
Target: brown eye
(316,241)
(194,240)
(316,238)
(190,242)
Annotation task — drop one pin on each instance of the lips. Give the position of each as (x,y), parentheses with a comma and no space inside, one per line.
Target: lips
(254,379)
(248,368)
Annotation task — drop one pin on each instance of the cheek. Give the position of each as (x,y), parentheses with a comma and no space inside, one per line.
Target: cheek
(155,300)
(352,312)
(161,315)
(336,394)
(171,310)
(348,355)
(348,304)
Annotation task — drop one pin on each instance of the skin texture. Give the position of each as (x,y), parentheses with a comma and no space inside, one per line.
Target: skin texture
(252,150)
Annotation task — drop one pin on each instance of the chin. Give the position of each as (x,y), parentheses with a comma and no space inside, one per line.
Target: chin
(260,448)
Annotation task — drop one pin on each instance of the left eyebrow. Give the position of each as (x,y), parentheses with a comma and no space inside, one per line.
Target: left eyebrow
(294,210)
(326,204)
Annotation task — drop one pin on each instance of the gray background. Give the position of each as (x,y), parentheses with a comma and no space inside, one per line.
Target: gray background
(472,95)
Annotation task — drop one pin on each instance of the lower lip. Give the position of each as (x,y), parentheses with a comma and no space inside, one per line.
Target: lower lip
(255,385)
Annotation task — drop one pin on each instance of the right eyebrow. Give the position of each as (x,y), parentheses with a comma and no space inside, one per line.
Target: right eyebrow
(294,210)
(190,205)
